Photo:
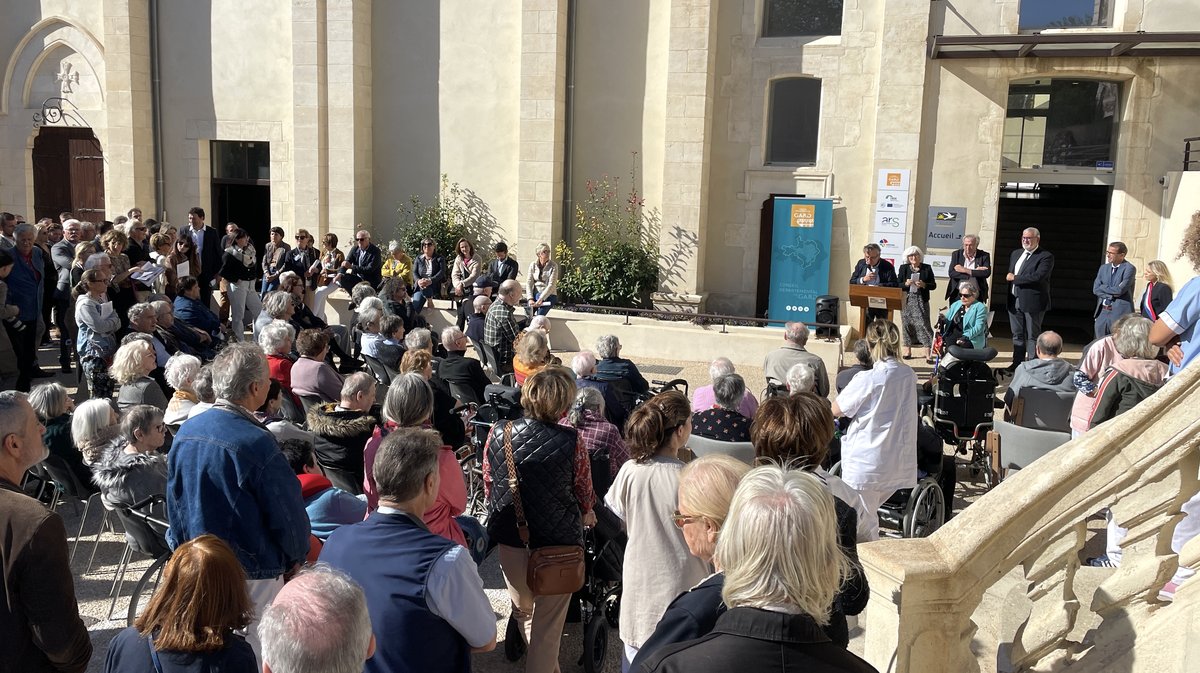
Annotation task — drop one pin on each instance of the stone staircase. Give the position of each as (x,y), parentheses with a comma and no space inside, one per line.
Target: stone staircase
(1000,587)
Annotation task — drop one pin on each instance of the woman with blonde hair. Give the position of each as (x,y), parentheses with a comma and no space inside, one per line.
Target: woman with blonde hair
(83,250)
(532,352)
(554,488)
(131,369)
(706,487)
(541,285)
(783,566)
(657,567)
(1158,289)
(877,450)
(192,619)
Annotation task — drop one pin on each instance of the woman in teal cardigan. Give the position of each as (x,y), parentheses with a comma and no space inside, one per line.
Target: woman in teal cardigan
(970,313)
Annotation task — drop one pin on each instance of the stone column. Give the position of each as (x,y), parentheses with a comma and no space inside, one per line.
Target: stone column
(129,153)
(310,156)
(688,138)
(543,98)
(348,101)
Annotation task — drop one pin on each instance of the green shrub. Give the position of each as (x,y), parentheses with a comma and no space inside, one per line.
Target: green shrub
(456,213)
(614,261)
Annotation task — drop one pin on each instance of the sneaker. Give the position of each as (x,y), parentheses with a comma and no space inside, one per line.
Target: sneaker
(1100,562)
(1167,593)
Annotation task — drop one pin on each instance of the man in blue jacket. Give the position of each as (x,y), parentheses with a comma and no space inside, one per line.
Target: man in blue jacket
(226,477)
(1113,288)
(25,291)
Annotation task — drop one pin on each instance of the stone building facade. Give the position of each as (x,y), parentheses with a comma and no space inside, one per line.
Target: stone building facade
(360,104)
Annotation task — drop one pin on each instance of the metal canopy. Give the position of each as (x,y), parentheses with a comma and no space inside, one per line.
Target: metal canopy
(1060,45)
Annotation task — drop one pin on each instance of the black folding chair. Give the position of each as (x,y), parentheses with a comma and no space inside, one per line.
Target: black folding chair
(382,374)
(67,483)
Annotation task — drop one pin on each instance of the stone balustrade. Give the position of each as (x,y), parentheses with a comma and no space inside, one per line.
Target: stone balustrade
(1144,465)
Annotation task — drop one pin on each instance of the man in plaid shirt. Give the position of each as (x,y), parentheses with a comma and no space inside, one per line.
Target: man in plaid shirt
(500,329)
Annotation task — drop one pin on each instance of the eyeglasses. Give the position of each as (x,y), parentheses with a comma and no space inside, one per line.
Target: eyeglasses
(360,240)
(680,520)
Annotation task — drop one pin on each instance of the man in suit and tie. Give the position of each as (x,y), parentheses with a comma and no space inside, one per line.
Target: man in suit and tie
(1028,278)
(1113,288)
(969,262)
(873,270)
(208,251)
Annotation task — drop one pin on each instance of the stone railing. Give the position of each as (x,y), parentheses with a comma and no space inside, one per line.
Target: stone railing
(1144,465)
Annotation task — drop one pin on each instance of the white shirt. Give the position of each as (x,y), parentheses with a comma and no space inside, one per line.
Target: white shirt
(879,450)
(851,497)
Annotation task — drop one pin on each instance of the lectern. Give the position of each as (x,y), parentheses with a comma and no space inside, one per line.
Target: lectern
(874,297)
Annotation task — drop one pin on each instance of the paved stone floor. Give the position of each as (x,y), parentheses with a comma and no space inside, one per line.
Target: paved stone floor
(93,587)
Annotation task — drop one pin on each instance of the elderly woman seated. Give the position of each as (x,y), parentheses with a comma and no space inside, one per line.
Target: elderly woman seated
(801,379)
(276,305)
(724,422)
(181,371)
(601,438)
(966,321)
(131,368)
(311,375)
(276,339)
(532,354)
(94,425)
(783,566)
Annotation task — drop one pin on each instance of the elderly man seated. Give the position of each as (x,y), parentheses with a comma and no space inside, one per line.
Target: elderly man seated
(723,421)
(1048,371)
(144,319)
(703,397)
(613,367)
(342,430)
(477,319)
(482,287)
(188,339)
(459,369)
(424,593)
(780,360)
(584,366)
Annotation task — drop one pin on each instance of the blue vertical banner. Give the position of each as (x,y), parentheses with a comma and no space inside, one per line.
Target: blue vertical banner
(801,232)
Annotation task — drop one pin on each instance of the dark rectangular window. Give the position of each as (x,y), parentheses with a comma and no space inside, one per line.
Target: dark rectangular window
(795,120)
(1042,14)
(787,18)
(1060,122)
(236,160)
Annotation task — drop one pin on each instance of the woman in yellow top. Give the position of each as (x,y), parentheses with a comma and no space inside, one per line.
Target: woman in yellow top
(398,264)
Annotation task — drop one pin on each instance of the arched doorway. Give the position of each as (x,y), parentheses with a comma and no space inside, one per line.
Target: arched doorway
(68,173)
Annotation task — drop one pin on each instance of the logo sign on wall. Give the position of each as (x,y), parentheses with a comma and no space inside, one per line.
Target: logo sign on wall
(801,231)
(946,227)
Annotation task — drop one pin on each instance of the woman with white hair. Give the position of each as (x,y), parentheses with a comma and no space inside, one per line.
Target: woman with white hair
(800,379)
(94,425)
(54,405)
(276,305)
(783,566)
(706,487)
(180,371)
(916,279)
(276,339)
(602,439)
(131,368)
(877,450)
(724,422)
(1133,378)
(542,284)
(398,264)
(966,320)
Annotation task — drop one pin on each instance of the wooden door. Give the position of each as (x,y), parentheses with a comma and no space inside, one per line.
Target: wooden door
(68,174)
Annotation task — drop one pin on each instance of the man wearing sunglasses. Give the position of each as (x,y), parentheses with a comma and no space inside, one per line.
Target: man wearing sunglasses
(1029,270)
(364,263)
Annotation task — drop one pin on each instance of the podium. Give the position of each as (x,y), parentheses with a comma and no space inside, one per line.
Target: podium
(874,297)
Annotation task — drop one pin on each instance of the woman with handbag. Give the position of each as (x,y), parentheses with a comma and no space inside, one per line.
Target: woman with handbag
(657,565)
(538,483)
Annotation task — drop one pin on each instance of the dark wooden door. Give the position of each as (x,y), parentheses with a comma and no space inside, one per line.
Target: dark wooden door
(68,174)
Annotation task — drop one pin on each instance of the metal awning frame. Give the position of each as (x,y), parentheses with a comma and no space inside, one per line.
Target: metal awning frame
(1065,45)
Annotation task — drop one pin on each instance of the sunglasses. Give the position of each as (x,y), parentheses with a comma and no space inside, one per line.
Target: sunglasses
(680,520)
(360,240)
(300,237)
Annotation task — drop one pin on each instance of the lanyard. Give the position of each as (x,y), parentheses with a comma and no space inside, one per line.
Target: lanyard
(153,653)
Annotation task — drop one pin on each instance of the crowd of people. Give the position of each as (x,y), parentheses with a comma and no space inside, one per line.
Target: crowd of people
(314,527)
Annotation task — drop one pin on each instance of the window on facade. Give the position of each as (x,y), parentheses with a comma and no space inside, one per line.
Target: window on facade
(786,18)
(795,119)
(1042,14)
(1060,122)
(235,160)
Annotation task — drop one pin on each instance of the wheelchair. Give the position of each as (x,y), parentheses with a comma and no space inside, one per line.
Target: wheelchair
(959,402)
(918,511)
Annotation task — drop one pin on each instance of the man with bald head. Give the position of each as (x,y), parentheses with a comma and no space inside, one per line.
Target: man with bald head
(1047,372)
(365,262)
(318,622)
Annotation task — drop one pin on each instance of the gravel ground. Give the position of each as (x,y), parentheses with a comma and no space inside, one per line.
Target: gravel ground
(93,587)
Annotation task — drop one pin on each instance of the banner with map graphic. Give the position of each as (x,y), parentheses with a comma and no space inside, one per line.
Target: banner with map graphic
(801,232)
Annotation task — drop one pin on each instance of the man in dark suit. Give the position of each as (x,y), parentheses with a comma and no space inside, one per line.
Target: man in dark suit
(1028,278)
(1113,288)
(208,251)
(364,263)
(873,270)
(459,369)
(503,267)
(969,262)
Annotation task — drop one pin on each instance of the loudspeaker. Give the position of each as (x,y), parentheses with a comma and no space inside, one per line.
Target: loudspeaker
(827,312)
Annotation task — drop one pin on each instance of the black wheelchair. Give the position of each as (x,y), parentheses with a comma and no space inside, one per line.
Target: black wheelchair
(959,402)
